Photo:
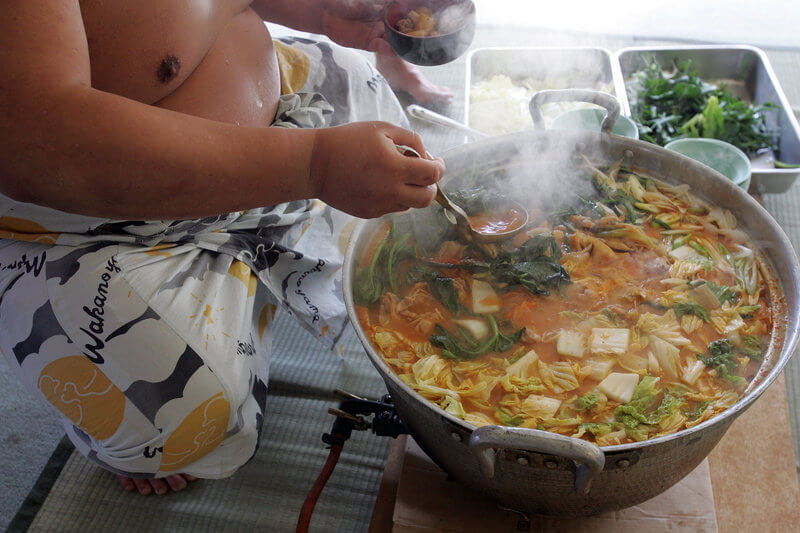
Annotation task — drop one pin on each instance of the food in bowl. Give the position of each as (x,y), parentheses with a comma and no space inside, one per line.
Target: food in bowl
(628,314)
(420,22)
(429,34)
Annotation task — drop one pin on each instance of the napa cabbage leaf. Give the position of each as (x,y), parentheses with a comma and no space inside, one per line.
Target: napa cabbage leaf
(456,346)
(644,407)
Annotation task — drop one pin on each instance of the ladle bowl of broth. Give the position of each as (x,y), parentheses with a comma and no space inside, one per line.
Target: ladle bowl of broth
(430,32)
(594,360)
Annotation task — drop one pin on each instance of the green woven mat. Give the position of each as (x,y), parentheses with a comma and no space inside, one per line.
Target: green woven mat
(267,494)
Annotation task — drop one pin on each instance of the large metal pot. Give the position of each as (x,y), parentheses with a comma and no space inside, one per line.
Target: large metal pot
(542,472)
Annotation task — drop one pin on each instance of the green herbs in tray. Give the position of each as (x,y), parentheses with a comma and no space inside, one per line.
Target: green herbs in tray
(669,106)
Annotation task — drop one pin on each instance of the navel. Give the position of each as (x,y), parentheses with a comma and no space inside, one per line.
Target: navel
(169,68)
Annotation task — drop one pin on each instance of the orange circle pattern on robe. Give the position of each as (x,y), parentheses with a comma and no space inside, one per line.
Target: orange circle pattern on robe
(80,390)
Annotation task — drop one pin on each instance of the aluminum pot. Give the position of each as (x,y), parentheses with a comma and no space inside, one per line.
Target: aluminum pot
(541,472)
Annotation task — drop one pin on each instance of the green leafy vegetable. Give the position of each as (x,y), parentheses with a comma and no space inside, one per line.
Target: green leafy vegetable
(698,411)
(638,433)
(474,200)
(369,283)
(752,347)
(680,241)
(691,308)
(598,429)
(722,292)
(721,358)
(453,346)
(673,106)
(588,402)
(747,311)
(658,222)
(508,420)
(713,119)
(644,407)
(534,265)
(700,248)
(442,287)
(399,251)
(372,281)
(617,198)
(585,207)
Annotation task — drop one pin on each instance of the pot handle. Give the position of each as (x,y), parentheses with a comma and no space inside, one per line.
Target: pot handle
(574,95)
(486,439)
(426,115)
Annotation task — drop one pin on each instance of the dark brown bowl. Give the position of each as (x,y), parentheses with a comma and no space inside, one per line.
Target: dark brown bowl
(430,51)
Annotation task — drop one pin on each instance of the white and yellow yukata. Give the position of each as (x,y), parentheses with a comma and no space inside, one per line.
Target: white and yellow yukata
(152,338)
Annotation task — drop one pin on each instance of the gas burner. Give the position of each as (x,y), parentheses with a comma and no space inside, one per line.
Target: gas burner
(350,416)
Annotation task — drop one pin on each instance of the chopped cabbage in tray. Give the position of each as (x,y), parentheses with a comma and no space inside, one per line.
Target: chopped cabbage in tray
(499,104)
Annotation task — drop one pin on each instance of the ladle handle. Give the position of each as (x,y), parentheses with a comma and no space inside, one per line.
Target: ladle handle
(427,115)
(574,95)
(486,439)
(454,213)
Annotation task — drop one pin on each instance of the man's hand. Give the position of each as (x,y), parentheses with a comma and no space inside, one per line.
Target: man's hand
(355,23)
(359,24)
(357,168)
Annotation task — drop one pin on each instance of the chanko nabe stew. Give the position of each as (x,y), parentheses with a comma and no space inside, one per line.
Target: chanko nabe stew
(631,312)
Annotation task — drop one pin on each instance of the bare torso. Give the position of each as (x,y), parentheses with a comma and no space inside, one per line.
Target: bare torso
(209,58)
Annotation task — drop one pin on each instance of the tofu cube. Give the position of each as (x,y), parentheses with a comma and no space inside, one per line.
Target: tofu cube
(618,386)
(484,299)
(476,327)
(570,343)
(610,340)
(599,368)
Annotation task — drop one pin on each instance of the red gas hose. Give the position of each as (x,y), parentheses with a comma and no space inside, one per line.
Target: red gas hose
(311,500)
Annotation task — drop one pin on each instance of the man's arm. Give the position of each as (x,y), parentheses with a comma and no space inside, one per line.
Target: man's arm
(357,24)
(317,16)
(68,146)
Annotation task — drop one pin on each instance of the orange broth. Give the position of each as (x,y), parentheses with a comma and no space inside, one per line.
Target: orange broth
(495,222)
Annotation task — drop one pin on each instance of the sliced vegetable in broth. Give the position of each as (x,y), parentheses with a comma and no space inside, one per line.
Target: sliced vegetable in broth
(627,315)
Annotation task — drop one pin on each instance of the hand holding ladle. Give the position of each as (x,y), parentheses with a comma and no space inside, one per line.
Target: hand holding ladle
(459,217)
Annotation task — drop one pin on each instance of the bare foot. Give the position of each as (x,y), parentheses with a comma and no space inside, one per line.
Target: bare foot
(406,77)
(175,482)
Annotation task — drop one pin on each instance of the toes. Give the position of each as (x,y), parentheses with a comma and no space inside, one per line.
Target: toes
(176,482)
(143,486)
(159,486)
(127,483)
